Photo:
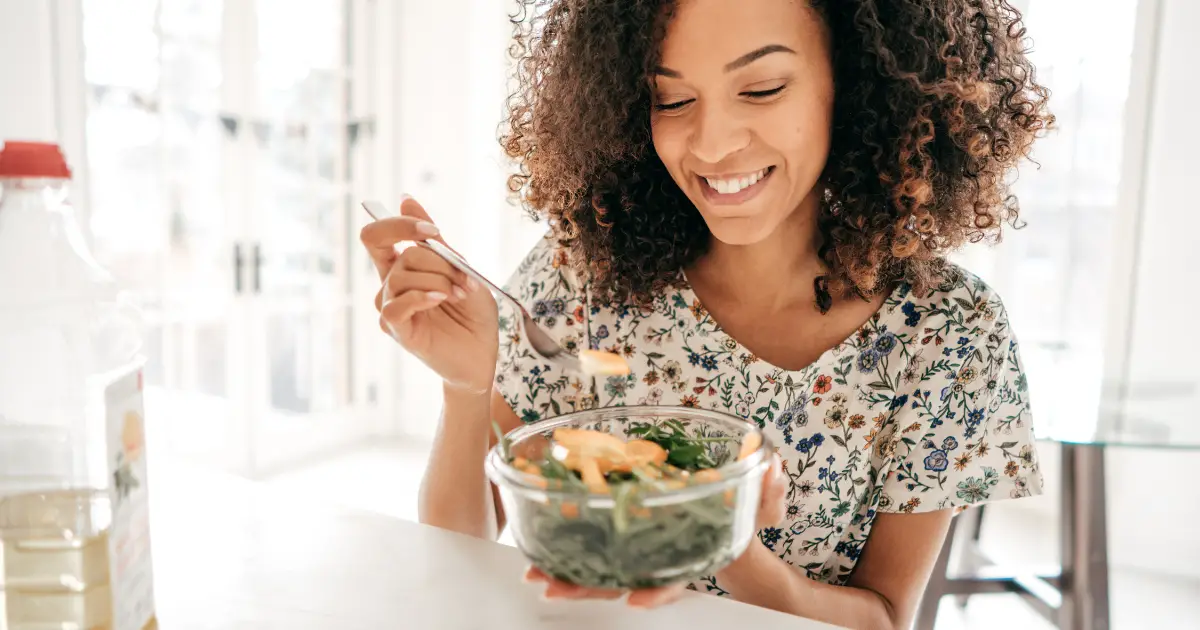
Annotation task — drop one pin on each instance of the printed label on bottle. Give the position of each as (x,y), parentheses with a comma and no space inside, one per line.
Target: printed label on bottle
(130,574)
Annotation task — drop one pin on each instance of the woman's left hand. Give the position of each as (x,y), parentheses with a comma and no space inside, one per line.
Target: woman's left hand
(771,509)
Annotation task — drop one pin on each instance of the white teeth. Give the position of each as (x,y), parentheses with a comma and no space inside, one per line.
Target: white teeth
(736,185)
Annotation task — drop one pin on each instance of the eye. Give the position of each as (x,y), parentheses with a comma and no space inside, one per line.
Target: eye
(667,107)
(760,94)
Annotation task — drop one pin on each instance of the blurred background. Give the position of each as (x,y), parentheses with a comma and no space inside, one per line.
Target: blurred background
(220,149)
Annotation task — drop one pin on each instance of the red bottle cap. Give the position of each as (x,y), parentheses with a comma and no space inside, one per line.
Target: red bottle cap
(33,159)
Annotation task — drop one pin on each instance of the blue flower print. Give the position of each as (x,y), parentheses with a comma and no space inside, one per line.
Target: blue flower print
(602,332)
(912,316)
(557,307)
(898,402)
(541,308)
(785,418)
(770,536)
(949,444)
(885,344)
(709,363)
(804,446)
(937,461)
(975,417)
(867,361)
(818,440)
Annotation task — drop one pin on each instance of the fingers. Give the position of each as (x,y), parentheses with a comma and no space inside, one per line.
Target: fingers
(381,237)
(418,269)
(641,598)
(774,495)
(401,309)
(557,589)
(655,597)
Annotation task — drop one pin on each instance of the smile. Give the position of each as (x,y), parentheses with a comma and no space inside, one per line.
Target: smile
(735,189)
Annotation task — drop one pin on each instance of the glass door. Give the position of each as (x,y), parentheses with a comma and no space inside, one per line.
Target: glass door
(305,238)
(219,140)
(161,213)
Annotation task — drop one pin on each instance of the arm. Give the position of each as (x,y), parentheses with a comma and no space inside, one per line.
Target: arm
(455,492)
(883,593)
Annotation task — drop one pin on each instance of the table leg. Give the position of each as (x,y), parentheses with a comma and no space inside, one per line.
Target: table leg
(1084,539)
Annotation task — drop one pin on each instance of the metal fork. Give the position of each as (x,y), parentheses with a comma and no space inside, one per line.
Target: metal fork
(541,340)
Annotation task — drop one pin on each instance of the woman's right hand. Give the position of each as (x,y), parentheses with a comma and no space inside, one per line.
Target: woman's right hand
(433,310)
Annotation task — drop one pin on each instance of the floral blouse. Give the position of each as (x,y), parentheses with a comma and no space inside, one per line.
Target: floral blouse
(925,408)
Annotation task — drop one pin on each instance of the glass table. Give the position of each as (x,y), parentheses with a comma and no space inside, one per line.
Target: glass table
(1074,596)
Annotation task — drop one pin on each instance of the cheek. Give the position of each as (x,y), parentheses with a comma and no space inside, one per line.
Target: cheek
(802,134)
(670,142)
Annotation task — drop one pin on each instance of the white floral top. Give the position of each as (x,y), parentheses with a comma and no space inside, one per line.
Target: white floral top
(924,408)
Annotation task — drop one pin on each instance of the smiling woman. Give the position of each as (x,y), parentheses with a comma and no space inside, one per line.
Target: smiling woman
(752,203)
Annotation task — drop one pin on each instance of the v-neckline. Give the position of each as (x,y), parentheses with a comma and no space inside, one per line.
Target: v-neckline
(873,322)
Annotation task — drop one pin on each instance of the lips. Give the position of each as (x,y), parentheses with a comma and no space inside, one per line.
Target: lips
(735,188)
(737,183)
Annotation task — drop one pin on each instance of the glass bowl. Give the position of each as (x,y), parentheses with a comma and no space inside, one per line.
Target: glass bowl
(635,536)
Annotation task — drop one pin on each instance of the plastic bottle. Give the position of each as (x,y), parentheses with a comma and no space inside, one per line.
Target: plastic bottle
(66,336)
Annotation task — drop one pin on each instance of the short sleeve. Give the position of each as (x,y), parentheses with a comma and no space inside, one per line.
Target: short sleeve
(964,436)
(545,285)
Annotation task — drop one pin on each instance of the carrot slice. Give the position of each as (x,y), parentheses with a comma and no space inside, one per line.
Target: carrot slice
(641,454)
(707,475)
(750,443)
(603,363)
(592,477)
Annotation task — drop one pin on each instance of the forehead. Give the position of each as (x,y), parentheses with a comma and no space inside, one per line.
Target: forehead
(706,32)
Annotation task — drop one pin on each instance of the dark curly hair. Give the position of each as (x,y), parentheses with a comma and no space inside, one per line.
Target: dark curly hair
(935,102)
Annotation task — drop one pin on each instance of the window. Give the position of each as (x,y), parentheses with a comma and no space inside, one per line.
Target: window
(221,140)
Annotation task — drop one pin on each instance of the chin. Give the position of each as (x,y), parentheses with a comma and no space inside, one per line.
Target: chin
(740,230)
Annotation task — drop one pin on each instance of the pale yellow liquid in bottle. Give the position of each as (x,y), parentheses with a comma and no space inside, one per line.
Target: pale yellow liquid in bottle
(55,561)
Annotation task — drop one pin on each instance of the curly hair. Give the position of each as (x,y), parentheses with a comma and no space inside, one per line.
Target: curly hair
(935,102)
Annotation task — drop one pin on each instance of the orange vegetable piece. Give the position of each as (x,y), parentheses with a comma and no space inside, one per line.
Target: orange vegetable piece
(707,475)
(592,477)
(641,453)
(520,462)
(569,510)
(603,363)
(750,443)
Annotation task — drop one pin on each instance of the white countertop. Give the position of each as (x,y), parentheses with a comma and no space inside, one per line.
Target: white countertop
(231,554)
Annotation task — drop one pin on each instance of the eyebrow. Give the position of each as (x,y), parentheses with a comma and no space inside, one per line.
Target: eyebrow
(736,64)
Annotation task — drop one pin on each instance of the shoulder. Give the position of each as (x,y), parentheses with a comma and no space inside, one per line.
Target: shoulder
(962,304)
(545,269)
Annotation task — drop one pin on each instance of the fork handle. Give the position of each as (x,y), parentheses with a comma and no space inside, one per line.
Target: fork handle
(458,263)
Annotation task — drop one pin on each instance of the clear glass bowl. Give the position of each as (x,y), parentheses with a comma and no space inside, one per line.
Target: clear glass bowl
(642,539)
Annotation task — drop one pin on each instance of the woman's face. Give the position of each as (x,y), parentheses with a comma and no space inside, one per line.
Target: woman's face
(742,113)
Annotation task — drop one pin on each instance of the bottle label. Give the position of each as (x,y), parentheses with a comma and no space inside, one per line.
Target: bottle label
(130,574)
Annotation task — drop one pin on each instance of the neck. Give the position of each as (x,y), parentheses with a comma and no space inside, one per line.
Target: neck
(782,266)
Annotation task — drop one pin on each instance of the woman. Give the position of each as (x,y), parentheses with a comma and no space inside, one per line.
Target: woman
(753,202)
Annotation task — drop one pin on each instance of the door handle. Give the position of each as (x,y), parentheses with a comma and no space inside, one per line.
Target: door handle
(239,262)
(258,260)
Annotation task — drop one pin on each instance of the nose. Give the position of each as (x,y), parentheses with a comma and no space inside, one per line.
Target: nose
(717,134)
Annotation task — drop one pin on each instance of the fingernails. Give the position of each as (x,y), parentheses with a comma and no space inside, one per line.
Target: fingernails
(459,293)
(427,229)
(436,296)
(472,285)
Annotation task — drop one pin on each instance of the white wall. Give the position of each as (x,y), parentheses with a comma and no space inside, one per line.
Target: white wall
(41,77)
(1154,495)
(449,94)
(26,72)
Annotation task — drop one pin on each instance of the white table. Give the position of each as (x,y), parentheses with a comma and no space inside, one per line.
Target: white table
(231,554)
